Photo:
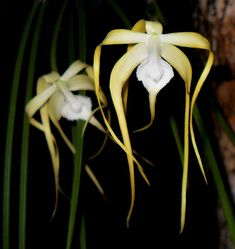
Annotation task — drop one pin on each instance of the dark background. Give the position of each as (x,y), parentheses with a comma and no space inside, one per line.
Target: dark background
(155,222)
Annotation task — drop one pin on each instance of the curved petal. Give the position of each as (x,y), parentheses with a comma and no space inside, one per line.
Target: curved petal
(97,89)
(54,111)
(73,69)
(152,103)
(90,72)
(123,36)
(182,65)
(92,120)
(120,73)
(44,91)
(186,39)
(198,87)
(51,77)
(81,82)
(139,26)
(94,179)
(51,142)
(85,82)
(179,61)
(53,149)
(106,121)
(202,78)
(55,104)
(186,161)
(39,100)
(63,135)
(101,128)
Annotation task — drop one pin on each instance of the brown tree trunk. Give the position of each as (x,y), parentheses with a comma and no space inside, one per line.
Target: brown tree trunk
(216,20)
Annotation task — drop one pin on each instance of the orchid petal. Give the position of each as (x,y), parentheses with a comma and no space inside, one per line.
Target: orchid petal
(84,82)
(90,72)
(94,179)
(51,77)
(186,39)
(120,73)
(39,100)
(186,160)
(182,65)
(106,121)
(55,104)
(53,149)
(51,142)
(179,61)
(152,103)
(80,82)
(73,69)
(198,87)
(137,40)
(123,36)
(139,26)
(92,120)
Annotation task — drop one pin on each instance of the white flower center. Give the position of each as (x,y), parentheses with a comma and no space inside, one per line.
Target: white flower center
(83,113)
(154,72)
(74,107)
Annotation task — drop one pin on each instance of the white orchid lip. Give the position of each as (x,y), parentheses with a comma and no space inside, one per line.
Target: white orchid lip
(74,107)
(67,111)
(154,72)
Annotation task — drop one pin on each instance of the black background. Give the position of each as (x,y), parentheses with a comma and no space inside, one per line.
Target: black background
(155,222)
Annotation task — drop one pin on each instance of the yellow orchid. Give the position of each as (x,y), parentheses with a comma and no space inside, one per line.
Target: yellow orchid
(154,54)
(55,99)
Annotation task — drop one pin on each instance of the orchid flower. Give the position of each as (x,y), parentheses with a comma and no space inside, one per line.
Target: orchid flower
(154,55)
(55,99)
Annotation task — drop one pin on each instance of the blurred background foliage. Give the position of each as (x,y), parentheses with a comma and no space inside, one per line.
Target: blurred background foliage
(156,217)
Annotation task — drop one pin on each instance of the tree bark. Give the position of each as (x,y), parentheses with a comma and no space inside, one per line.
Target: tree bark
(216,20)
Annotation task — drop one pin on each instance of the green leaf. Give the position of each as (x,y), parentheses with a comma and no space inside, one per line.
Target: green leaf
(77,134)
(55,38)
(176,135)
(25,133)
(10,128)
